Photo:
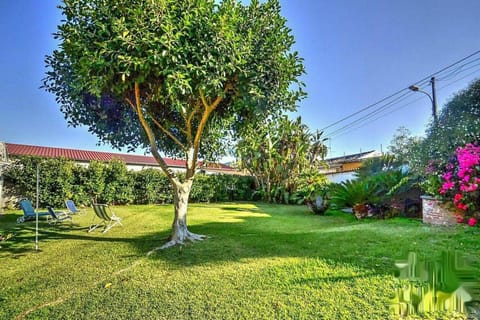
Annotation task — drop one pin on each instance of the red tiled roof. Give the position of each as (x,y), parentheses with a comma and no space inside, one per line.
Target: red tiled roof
(87,156)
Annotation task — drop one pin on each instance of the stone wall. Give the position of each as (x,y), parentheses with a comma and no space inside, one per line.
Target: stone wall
(435,213)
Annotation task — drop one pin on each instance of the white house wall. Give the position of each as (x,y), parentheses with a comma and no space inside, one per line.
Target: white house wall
(340,176)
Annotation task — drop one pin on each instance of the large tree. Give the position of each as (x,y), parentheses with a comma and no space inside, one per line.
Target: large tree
(173,76)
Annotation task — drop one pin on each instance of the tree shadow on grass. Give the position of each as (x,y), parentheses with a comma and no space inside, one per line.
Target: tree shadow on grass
(255,236)
(257,233)
(236,242)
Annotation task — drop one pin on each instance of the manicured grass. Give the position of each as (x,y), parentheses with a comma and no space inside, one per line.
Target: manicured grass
(259,262)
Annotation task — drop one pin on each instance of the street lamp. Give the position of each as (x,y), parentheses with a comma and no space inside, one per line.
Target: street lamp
(433,97)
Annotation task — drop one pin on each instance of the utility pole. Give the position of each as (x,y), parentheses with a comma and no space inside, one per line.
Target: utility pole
(432,97)
(434,101)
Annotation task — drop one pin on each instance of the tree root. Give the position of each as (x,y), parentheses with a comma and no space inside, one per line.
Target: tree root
(176,240)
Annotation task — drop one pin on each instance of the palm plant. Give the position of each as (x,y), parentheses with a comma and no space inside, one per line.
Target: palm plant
(352,192)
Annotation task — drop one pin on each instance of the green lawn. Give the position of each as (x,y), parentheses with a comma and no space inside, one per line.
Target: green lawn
(259,262)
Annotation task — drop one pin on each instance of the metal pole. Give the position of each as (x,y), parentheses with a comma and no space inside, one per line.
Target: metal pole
(1,188)
(434,101)
(36,200)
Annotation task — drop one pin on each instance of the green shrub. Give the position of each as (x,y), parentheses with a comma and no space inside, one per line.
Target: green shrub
(62,179)
(351,192)
(221,187)
(151,186)
(458,124)
(56,177)
(118,183)
(91,182)
(21,178)
(203,189)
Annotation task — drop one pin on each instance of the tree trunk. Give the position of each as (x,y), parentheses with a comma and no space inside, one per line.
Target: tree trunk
(180,233)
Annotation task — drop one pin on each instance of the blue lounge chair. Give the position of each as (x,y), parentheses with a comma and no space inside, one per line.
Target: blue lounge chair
(28,211)
(107,218)
(56,217)
(72,209)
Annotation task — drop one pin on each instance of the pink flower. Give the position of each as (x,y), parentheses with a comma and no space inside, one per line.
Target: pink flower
(447,185)
(457,198)
(461,178)
(472,222)
(447,176)
(469,187)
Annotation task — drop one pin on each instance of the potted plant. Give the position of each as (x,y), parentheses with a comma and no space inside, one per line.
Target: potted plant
(434,211)
(313,190)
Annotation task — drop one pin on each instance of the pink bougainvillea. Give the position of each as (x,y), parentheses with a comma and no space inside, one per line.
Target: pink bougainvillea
(472,221)
(461,180)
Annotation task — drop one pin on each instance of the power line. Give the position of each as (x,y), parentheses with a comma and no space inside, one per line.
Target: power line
(363,109)
(351,126)
(372,113)
(458,70)
(379,117)
(418,83)
(465,76)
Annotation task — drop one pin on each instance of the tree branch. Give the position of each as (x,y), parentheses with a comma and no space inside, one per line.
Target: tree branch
(150,135)
(131,104)
(189,121)
(168,133)
(203,122)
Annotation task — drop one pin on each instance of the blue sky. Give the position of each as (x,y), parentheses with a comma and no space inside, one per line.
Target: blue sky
(356,53)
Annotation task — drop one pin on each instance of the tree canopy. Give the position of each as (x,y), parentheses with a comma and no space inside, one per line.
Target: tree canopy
(170,74)
(185,57)
(277,153)
(458,124)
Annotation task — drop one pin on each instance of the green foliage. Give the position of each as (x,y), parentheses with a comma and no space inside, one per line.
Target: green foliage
(220,188)
(377,193)
(151,186)
(402,146)
(391,182)
(56,180)
(431,184)
(177,77)
(111,183)
(118,184)
(177,52)
(351,192)
(203,189)
(20,177)
(458,125)
(91,182)
(56,176)
(277,153)
(310,185)
(373,166)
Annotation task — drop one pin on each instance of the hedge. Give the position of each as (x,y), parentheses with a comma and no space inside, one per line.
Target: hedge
(111,182)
